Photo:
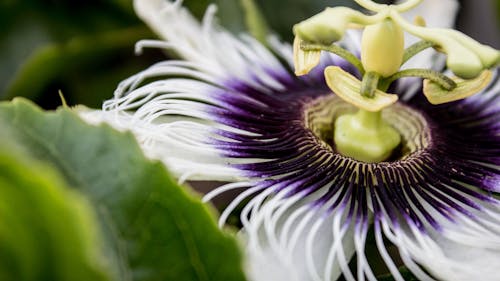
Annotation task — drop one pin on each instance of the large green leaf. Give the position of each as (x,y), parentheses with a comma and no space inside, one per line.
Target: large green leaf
(154,229)
(47,231)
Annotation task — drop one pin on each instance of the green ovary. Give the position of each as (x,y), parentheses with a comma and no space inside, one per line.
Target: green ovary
(382,48)
(365,136)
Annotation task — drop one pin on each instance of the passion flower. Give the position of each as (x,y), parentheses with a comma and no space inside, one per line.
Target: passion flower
(234,111)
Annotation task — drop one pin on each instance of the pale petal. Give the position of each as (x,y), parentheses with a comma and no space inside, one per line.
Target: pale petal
(288,240)
(213,49)
(468,262)
(177,120)
(467,248)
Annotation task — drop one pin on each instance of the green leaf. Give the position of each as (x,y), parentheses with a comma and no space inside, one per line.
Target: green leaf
(153,228)
(47,231)
(196,7)
(282,15)
(405,273)
(29,27)
(255,22)
(59,59)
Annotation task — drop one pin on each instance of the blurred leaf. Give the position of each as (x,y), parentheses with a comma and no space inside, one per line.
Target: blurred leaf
(66,19)
(197,7)
(17,46)
(57,61)
(29,27)
(231,15)
(405,273)
(255,22)
(282,16)
(156,231)
(229,12)
(47,231)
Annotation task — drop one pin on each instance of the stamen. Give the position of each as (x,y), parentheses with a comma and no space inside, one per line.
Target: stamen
(330,25)
(304,60)
(466,57)
(335,49)
(436,93)
(348,88)
(434,76)
(419,21)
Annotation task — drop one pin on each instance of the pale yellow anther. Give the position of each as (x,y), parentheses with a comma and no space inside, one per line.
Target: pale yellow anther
(419,21)
(304,61)
(348,88)
(463,62)
(465,88)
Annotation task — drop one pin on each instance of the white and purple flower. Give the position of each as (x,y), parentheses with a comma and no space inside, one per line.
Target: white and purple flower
(232,110)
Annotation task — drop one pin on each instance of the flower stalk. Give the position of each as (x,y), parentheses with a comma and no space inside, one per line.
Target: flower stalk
(369,84)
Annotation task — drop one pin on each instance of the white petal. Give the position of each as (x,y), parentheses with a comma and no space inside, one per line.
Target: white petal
(171,116)
(468,262)
(208,45)
(287,239)
(469,248)
(466,249)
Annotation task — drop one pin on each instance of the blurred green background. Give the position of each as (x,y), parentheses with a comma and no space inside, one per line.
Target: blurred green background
(83,48)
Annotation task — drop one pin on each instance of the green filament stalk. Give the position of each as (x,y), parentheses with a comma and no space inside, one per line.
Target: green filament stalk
(369,84)
(339,51)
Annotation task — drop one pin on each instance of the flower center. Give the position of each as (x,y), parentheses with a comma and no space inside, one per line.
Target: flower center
(320,116)
(365,135)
